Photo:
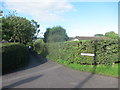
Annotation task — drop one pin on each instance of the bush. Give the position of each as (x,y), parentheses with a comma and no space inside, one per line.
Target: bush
(14,55)
(38,46)
(106,51)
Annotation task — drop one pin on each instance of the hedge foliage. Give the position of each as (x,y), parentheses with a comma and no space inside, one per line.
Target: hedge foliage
(38,45)
(106,51)
(14,55)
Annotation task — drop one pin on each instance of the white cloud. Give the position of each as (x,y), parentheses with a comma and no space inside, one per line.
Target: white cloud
(41,10)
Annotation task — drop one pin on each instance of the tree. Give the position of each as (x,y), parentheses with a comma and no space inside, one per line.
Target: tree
(112,35)
(98,35)
(55,34)
(18,29)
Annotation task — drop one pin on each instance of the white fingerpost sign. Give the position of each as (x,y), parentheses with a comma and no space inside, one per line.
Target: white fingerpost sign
(87,54)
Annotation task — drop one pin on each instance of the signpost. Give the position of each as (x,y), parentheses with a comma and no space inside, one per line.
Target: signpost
(87,54)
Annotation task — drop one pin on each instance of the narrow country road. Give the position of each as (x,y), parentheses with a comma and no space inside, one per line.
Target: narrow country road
(43,73)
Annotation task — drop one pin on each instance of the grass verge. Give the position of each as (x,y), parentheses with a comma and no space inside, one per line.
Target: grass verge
(99,69)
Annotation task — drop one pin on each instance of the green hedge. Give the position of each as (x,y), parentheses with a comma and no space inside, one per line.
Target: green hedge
(38,45)
(106,51)
(14,55)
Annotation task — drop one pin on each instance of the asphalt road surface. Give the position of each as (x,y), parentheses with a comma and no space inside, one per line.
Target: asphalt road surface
(43,73)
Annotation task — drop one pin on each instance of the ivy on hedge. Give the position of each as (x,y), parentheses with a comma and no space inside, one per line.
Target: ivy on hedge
(106,51)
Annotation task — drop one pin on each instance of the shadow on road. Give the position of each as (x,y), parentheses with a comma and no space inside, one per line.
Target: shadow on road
(30,79)
(82,83)
(34,60)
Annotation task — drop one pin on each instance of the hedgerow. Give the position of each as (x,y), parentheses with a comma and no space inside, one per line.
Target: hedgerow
(14,55)
(106,51)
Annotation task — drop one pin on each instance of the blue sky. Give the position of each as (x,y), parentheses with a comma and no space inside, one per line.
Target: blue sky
(78,18)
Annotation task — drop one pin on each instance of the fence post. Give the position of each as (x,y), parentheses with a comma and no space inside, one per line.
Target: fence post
(95,49)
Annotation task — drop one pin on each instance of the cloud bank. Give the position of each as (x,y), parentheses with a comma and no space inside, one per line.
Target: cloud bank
(40,10)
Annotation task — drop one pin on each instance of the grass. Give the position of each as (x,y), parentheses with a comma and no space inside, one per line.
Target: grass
(99,69)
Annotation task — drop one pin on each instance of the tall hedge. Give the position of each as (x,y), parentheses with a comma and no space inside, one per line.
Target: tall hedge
(106,51)
(13,57)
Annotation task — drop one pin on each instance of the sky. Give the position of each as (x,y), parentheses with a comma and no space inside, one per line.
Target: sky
(77,17)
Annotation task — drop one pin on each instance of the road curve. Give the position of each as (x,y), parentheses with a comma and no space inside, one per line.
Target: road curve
(43,73)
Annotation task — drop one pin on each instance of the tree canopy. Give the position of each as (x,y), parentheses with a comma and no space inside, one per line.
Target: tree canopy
(55,34)
(18,29)
(98,35)
(112,35)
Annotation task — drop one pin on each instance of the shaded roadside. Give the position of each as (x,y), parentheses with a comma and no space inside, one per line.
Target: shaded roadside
(34,60)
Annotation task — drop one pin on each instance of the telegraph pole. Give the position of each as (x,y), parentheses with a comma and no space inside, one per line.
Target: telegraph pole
(1,12)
